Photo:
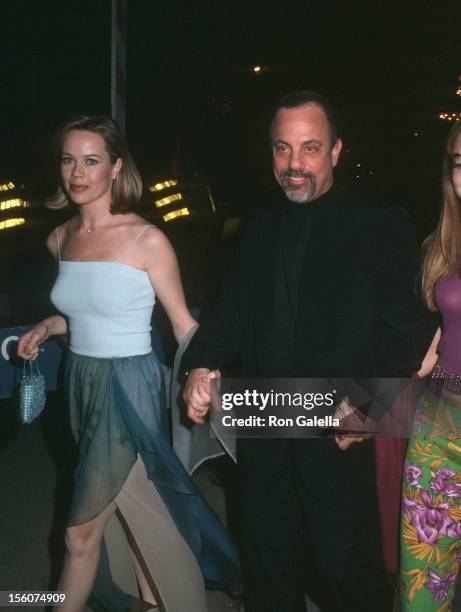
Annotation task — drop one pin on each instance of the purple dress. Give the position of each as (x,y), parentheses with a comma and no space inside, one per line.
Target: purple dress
(448,301)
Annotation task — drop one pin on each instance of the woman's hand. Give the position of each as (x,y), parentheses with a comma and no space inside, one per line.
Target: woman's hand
(29,343)
(352,419)
(197,393)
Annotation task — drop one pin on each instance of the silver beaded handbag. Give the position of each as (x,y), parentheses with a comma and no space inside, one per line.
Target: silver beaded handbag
(32,392)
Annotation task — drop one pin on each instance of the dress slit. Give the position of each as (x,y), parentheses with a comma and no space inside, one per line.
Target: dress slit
(119,418)
(143,521)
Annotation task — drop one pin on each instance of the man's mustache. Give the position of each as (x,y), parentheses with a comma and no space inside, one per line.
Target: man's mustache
(297,174)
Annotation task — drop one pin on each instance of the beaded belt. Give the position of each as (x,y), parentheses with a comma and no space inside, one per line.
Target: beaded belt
(449,381)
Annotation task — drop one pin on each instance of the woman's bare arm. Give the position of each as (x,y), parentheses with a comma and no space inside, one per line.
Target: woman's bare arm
(162,267)
(29,343)
(431,356)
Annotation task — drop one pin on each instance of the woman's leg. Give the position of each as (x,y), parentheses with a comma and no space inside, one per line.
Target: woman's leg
(143,582)
(83,546)
(146,587)
(154,538)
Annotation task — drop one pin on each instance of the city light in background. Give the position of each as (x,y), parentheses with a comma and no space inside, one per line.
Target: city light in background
(168,200)
(450,116)
(8,223)
(163,185)
(13,203)
(174,214)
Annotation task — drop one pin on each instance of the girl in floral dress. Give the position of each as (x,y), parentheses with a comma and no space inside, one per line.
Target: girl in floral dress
(431,505)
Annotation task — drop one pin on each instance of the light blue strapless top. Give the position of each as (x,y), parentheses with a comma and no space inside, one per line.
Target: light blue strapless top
(109,307)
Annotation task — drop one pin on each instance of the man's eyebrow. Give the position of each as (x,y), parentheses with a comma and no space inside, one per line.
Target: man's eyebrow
(313,141)
(306,142)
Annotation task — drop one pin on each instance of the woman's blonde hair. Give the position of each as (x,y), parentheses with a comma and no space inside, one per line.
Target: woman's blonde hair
(127,187)
(442,250)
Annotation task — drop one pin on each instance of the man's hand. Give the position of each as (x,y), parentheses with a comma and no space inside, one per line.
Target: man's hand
(351,419)
(197,393)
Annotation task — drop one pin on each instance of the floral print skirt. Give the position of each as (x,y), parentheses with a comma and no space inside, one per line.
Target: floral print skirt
(431,505)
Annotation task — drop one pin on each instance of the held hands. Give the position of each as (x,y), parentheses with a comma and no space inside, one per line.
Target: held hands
(29,343)
(197,393)
(351,419)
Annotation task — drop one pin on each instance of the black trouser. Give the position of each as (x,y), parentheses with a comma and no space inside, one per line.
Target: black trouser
(311,523)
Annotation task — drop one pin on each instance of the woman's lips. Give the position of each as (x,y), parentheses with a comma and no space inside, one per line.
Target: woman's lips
(78,187)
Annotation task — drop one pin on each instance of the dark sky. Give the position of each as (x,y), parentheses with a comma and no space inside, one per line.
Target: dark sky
(390,66)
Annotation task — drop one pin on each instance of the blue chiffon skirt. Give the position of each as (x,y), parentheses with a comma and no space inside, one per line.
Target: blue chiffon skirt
(118,412)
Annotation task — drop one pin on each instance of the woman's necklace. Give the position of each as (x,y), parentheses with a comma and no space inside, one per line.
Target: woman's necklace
(90,228)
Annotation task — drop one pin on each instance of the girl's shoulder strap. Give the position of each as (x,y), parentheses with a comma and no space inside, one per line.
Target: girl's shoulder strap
(132,242)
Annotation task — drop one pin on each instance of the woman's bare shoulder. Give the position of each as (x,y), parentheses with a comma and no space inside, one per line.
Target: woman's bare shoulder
(155,247)
(153,237)
(59,233)
(129,223)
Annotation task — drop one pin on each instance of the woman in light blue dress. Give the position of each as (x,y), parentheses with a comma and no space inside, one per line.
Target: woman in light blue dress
(133,500)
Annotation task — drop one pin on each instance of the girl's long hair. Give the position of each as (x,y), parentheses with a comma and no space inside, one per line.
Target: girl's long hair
(442,249)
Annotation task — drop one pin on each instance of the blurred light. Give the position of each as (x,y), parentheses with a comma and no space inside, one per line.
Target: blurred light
(14,203)
(210,197)
(174,214)
(7,186)
(458,91)
(450,116)
(163,185)
(357,176)
(164,201)
(257,69)
(358,165)
(415,133)
(12,223)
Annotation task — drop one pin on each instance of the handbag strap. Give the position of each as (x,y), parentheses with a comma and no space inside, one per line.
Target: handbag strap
(30,367)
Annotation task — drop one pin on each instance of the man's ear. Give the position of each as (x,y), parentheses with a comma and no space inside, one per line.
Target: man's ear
(335,151)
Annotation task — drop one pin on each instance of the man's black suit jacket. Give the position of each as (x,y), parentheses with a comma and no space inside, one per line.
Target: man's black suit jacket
(357,310)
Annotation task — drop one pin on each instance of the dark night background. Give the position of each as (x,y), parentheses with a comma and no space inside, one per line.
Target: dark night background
(391,67)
